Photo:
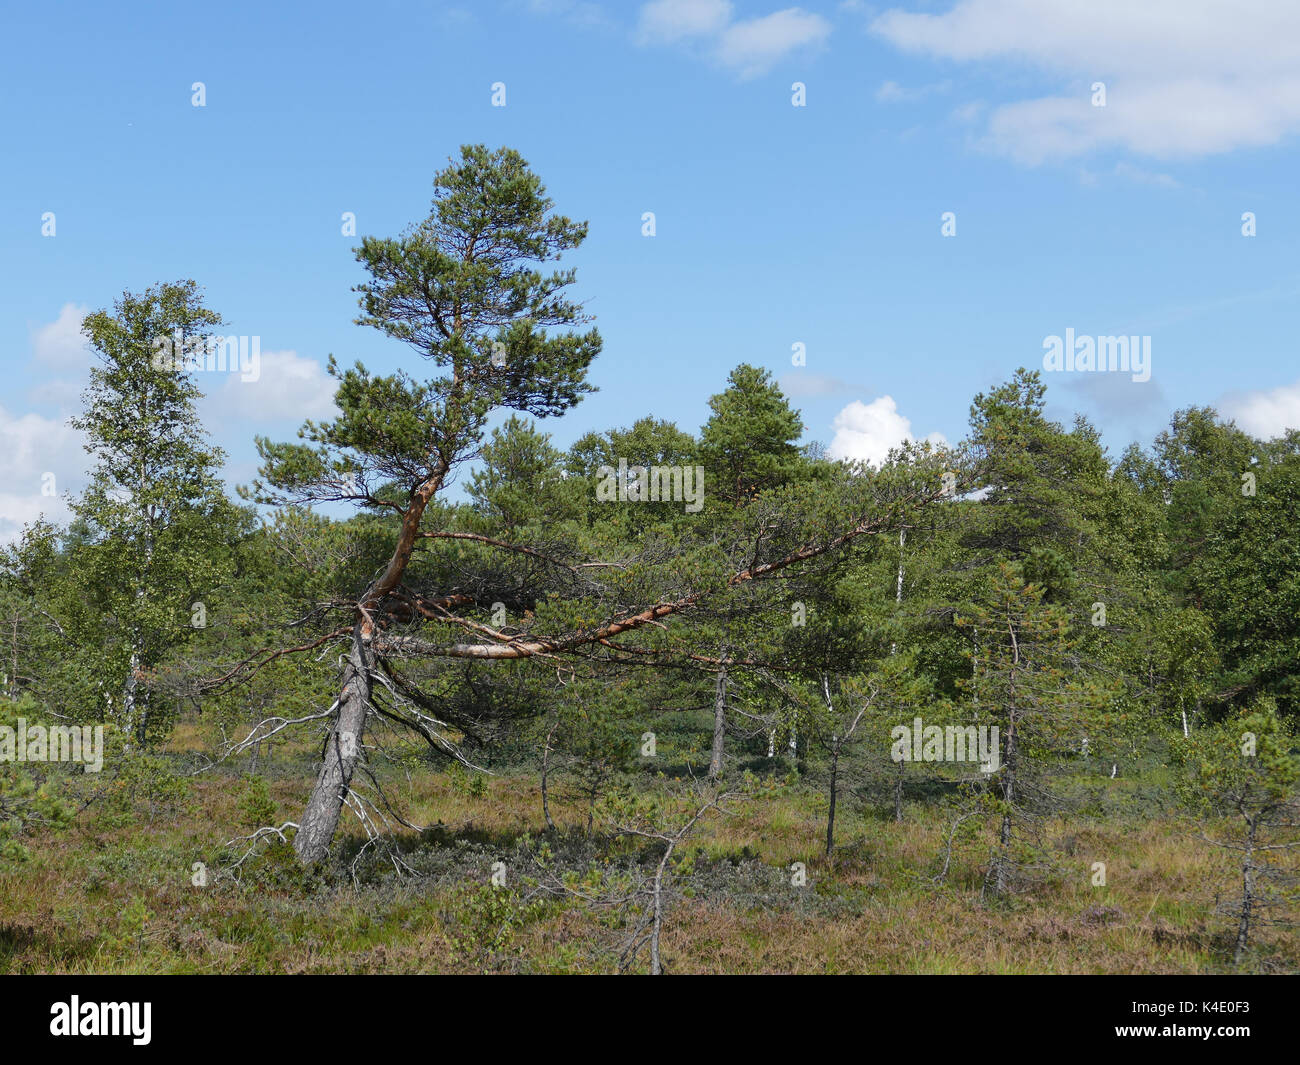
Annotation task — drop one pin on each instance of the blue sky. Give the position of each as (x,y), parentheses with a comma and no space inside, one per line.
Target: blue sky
(775,224)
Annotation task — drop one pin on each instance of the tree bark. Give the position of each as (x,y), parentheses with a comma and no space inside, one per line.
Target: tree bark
(898,793)
(128,697)
(342,752)
(656,964)
(135,699)
(1247,894)
(1000,879)
(830,816)
(321,817)
(546,765)
(719,720)
(898,602)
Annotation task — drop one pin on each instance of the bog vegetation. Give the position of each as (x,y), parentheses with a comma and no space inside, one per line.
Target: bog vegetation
(434,694)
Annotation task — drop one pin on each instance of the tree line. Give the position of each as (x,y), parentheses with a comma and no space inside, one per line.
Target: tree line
(1026,581)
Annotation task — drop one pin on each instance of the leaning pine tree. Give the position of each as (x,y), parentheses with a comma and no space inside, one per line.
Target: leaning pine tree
(463,288)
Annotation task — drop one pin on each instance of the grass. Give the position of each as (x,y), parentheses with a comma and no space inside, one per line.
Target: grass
(114,893)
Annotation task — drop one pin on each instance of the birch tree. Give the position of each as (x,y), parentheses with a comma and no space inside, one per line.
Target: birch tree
(151,530)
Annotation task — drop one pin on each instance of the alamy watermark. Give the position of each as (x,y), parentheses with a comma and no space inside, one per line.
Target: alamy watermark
(652,484)
(103,1018)
(1087,354)
(215,354)
(919,742)
(57,743)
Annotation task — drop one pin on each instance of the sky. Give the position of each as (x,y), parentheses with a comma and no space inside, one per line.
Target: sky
(912,199)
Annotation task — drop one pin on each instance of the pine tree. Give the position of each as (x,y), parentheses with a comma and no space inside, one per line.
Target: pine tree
(748,445)
(1032,690)
(1242,778)
(464,290)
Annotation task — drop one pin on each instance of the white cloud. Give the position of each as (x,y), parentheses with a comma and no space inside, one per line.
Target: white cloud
(61,360)
(865,432)
(754,46)
(32,446)
(748,47)
(665,21)
(1184,78)
(1265,414)
(289,387)
(60,345)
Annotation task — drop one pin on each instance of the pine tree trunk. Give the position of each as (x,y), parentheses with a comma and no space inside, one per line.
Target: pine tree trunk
(898,792)
(830,816)
(343,751)
(1003,859)
(546,766)
(657,925)
(1247,896)
(719,723)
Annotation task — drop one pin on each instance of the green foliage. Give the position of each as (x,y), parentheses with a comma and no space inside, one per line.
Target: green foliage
(1084,606)
(256,807)
(1028,683)
(599,728)
(1244,767)
(485,919)
(464,290)
(273,868)
(138,785)
(521,484)
(32,795)
(465,782)
(1243,778)
(151,534)
(133,926)
(748,445)
(1247,578)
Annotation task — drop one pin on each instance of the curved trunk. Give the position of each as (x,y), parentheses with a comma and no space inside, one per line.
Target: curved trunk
(342,752)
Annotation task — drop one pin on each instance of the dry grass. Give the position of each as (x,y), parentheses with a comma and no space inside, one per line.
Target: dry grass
(115,895)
